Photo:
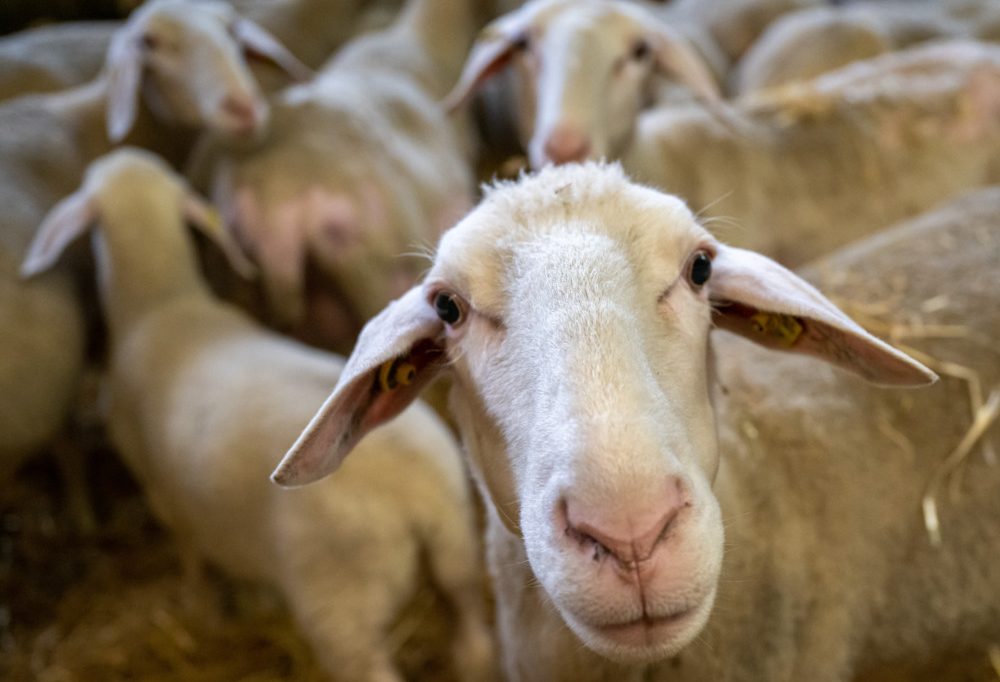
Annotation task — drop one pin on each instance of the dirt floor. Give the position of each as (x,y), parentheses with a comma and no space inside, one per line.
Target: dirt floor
(111,604)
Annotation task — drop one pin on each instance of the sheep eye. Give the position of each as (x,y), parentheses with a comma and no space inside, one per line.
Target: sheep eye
(641,50)
(149,41)
(701,269)
(521,43)
(447,308)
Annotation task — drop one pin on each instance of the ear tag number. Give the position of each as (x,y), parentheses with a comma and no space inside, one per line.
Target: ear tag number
(786,328)
(396,373)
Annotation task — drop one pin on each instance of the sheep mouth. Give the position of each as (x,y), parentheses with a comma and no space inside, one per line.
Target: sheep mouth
(646,630)
(646,639)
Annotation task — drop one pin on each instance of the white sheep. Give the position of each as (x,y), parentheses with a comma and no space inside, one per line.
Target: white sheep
(582,71)
(146,93)
(202,402)
(620,453)
(360,168)
(812,166)
(735,25)
(805,44)
(52,57)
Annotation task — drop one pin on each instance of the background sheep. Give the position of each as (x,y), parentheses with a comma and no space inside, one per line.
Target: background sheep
(582,72)
(805,44)
(361,168)
(201,400)
(835,158)
(52,57)
(46,141)
(573,309)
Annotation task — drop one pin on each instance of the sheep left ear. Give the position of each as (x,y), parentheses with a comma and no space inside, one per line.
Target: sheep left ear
(257,40)
(124,69)
(489,55)
(398,353)
(676,57)
(64,224)
(755,297)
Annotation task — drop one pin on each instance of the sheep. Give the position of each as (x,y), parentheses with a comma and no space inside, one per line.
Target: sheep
(735,25)
(582,71)
(52,57)
(202,400)
(812,166)
(146,92)
(360,167)
(619,447)
(805,44)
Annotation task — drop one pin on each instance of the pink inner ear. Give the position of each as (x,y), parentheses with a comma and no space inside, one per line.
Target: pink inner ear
(485,61)
(426,356)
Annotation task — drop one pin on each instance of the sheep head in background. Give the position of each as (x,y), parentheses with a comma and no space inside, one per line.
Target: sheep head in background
(584,70)
(574,310)
(187,60)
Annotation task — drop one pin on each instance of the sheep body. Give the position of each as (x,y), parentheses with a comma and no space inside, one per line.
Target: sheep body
(805,44)
(202,400)
(361,168)
(874,142)
(52,57)
(575,393)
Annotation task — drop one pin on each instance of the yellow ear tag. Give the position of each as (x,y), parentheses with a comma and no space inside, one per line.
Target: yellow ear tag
(395,373)
(786,328)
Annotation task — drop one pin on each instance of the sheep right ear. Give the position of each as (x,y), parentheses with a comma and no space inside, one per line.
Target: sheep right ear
(67,221)
(124,73)
(489,55)
(397,354)
(207,220)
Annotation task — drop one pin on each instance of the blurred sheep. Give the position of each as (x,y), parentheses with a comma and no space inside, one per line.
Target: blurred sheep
(805,44)
(202,403)
(361,169)
(175,67)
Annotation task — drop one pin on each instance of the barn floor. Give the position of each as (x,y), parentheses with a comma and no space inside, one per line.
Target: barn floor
(112,604)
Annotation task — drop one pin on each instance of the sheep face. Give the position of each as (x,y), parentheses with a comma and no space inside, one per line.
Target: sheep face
(588,351)
(583,72)
(187,61)
(574,309)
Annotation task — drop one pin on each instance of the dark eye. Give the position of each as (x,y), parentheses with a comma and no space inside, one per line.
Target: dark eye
(447,308)
(701,268)
(521,43)
(640,50)
(149,41)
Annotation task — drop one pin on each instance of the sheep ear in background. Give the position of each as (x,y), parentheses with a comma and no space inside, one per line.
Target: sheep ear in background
(674,56)
(489,55)
(124,72)
(66,222)
(755,297)
(207,220)
(397,354)
(257,40)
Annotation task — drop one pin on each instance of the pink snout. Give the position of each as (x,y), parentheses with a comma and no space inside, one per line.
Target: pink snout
(631,537)
(566,144)
(242,114)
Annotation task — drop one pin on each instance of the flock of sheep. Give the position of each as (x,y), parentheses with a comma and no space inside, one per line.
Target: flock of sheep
(660,502)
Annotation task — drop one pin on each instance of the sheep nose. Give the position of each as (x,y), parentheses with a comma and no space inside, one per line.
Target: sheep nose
(566,144)
(243,111)
(633,536)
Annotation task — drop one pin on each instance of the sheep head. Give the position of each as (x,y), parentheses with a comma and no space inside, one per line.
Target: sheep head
(187,61)
(583,72)
(574,309)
